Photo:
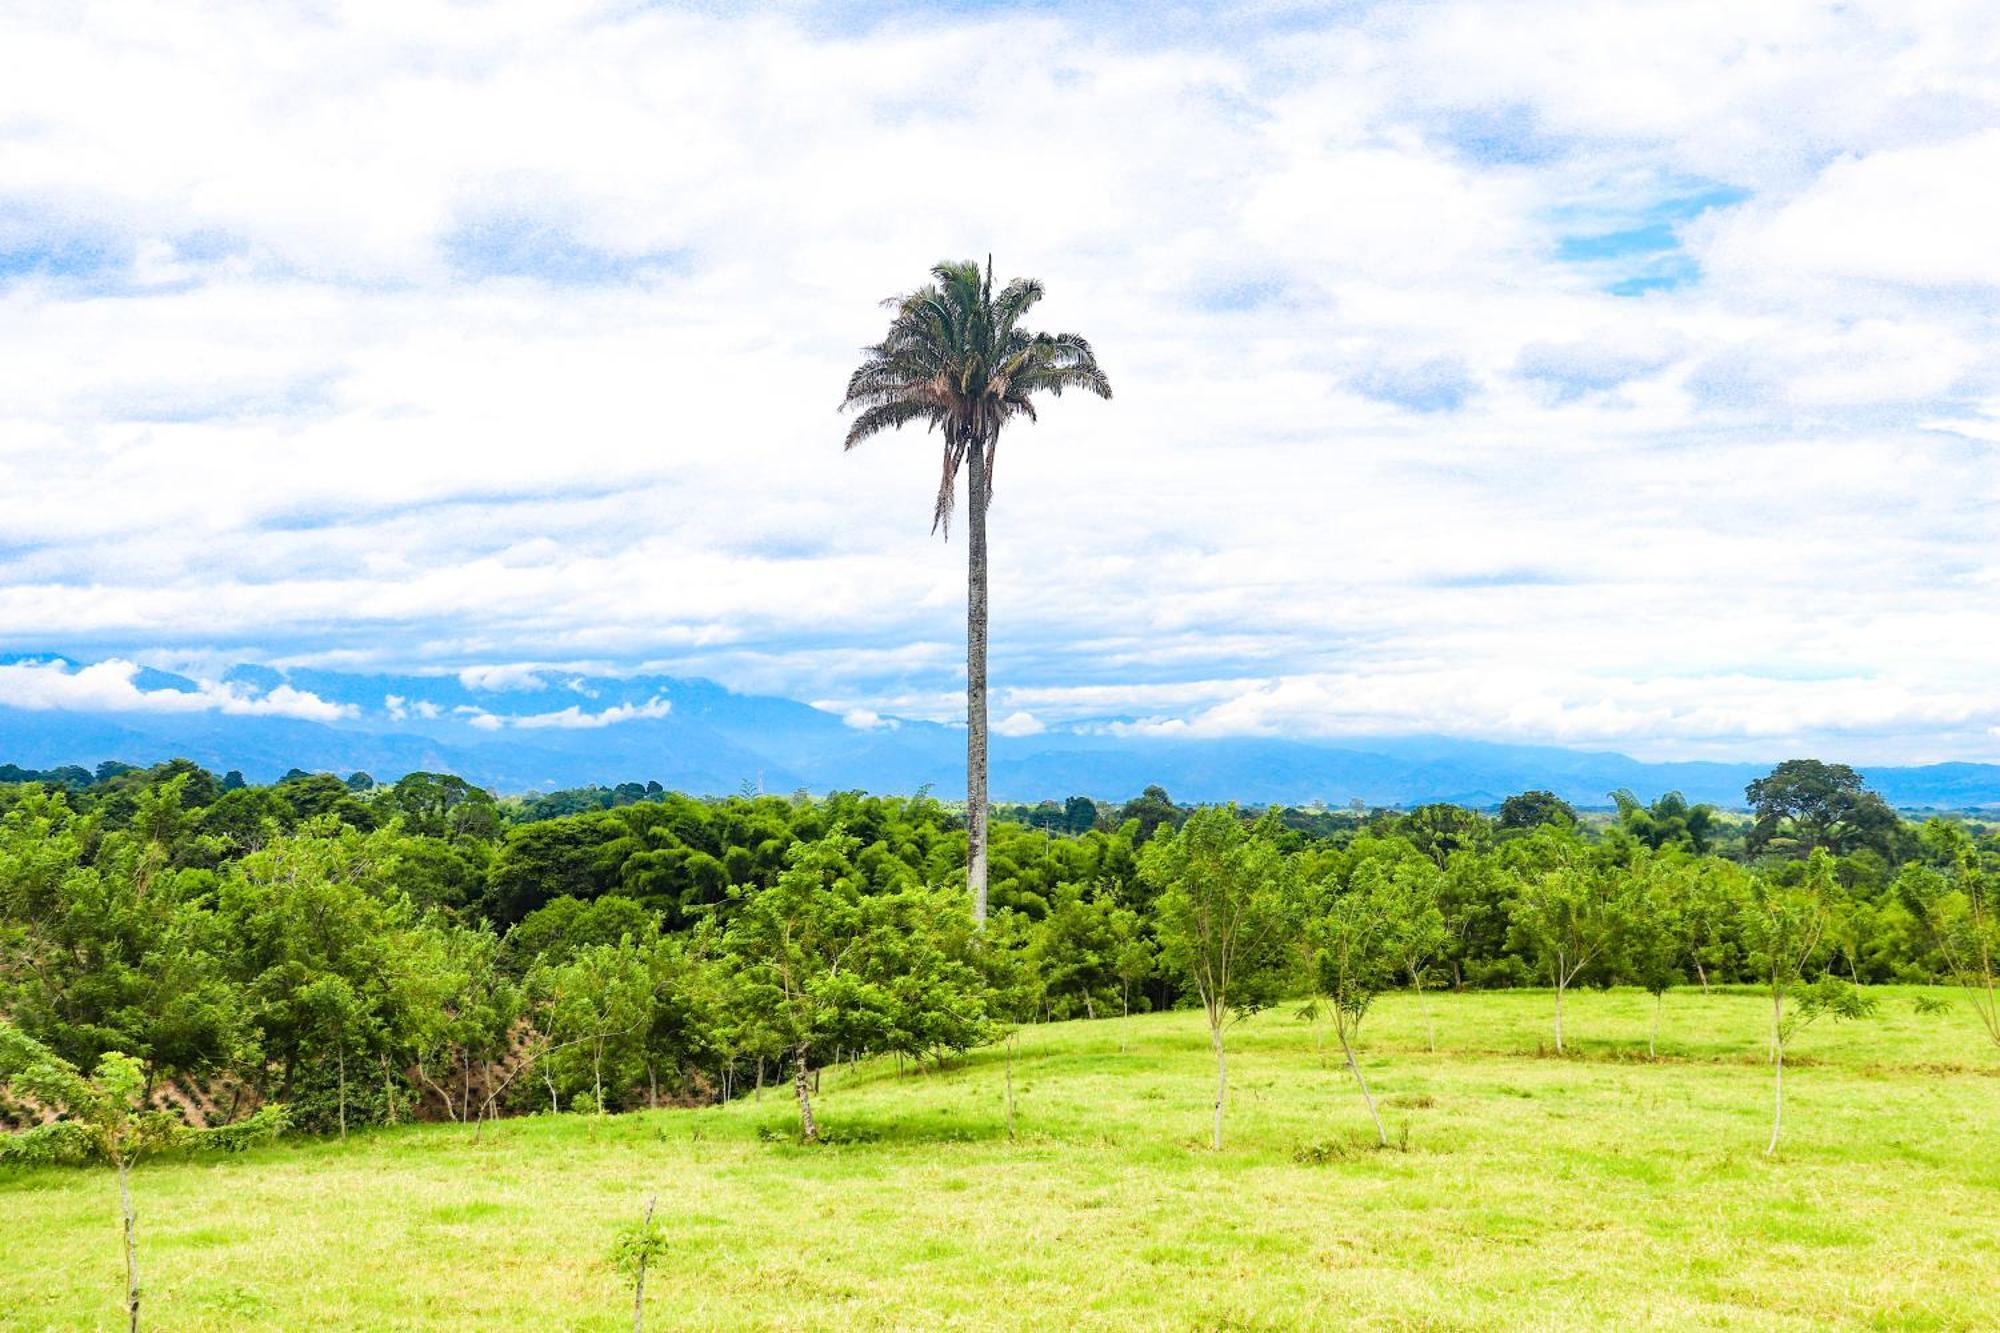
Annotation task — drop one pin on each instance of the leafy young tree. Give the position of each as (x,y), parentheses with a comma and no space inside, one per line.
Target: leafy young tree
(824,966)
(1784,928)
(596,1006)
(634,1250)
(313,923)
(1959,910)
(1352,934)
(1225,911)
(1651,941)
(1566,916)
(102,1119)
(956,359)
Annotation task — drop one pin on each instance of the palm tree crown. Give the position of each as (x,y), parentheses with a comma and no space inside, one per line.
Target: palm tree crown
(957,359)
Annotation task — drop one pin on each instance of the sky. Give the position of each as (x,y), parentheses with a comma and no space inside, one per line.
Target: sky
(1617,375)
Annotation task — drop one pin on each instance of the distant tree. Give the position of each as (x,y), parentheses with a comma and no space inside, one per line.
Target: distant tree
(233,780)
(956,359)
(1154,809)
(1079,814)
(1532,809)
(1803,804)
(550,859)
(439,805)
(1225,913)
(311,795)
(1784,929)
(1439,830)
(360,782)
(1668,822)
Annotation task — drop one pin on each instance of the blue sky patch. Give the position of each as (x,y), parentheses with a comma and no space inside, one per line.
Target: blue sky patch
(1641,250)
(522,246)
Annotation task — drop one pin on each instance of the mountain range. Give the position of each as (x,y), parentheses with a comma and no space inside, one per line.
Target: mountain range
(521,731)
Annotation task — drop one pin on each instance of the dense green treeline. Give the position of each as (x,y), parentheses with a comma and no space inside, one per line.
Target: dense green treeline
(360,952)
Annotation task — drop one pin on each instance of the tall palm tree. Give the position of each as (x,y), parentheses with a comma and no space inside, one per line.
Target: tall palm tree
(956,359)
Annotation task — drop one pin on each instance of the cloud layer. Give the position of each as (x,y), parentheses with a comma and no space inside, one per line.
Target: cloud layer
(1627,384)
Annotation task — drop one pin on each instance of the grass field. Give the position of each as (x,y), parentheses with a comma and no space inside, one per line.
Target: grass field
(1598,1190)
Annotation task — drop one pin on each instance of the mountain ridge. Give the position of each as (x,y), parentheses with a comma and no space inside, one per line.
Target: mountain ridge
(520,732)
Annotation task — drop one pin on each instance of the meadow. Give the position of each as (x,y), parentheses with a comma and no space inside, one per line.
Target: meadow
(1600,1189)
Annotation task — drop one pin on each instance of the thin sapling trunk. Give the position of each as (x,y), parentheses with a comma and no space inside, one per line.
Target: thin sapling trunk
(131,1245)
(1354,1067)
(1221,1073)
(807,1127)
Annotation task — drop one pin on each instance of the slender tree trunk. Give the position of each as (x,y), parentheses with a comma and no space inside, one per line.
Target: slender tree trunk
(1777,1101)
(1010,1085)
(1354,1067)
(758,1095)
(1430,1021)
(597,1073)
(1559,1016)
(1221,1076)
(131,1245)
(975,679)
(806,1125)
(1089,1009)
(1701,972)
(653,1087)
(639,1285)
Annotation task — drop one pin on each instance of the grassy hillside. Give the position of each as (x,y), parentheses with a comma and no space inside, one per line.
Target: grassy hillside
(1599,1190)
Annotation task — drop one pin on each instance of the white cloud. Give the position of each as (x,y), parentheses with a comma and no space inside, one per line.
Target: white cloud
(497,679)
(574,718)
(1020,723)
(455,403)
(110,686)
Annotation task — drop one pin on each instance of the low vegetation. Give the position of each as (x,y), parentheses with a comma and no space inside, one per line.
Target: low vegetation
(334,956)
(1603,1189)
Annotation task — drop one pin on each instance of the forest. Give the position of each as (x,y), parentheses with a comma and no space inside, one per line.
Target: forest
(358,953)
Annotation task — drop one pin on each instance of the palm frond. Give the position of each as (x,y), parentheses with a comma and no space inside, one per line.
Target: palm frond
(955,358)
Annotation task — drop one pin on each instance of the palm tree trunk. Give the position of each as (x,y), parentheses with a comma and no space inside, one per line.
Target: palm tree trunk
(975,679)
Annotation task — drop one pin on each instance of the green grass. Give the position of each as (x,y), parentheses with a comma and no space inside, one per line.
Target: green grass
(1601,1190)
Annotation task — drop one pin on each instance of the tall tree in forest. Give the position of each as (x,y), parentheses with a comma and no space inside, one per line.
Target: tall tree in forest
(956,359)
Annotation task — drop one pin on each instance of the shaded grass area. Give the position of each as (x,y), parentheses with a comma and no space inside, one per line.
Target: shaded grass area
(1599,1190)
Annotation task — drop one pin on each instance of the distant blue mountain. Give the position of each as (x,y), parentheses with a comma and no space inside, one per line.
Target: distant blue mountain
(522,733)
